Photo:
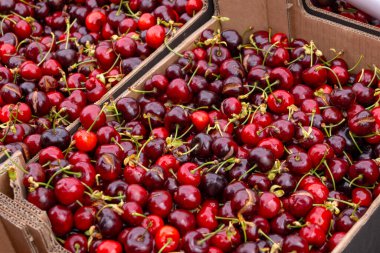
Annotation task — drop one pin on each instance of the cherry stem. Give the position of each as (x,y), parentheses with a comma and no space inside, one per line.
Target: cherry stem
(248,171)
(186,132)
(172,50)
(61,170)
(192,76)
(268,51)
(87,187)
(48,52)
(120,6)
(348,157)
(18,166)
(332,71)
(131,13)
(168,242)
(357,63)
(343,201)
(261,232)
(208,236)
(203,165)
(68,27)
(138,215)
(354,141)
(189,151)
(142,147)
(97,117)
(75,65)
(374,75)
(331,175)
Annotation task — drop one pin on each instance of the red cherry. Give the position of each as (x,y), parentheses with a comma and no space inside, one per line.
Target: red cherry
(109,246)
(320,216)
(95,21)
(68,190)
(155,36)
(200,120)
(313,234)
(361,196)
(193,6)
(146,21)
(92,115)
(269,205)
(61,220)
(152,223)
(50,154)
(30,71)
(279,101)
(167,238)
(319,191)
(273,145)
(85,141)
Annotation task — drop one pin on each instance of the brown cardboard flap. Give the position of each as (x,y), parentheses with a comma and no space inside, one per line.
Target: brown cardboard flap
(6,244)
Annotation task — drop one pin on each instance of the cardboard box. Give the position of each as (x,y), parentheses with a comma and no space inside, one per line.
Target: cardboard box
(23,228)
(290,17)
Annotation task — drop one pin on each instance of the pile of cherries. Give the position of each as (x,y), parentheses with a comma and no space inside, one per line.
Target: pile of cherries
(259,147)
(58,56)
(345,9)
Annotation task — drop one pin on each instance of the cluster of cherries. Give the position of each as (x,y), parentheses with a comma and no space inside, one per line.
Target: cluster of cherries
(260,147)
(58,56)
(345,9)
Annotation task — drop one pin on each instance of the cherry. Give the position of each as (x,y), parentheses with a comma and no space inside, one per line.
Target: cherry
(138,240)
(42,198)
(109,223)
(193,242)
(76,243)
(68,190)
(245,202)
(183,220)
(95,20)
(274,145)
(178,91)
(320,152)
(227,239)
(108,166)
(109,246)
(361,196)
(61,219)
(315,75)
(269,205)
(49,154)
(251,134)
(58,137)
(187,197)
(193,6)
(92,116)
(160,203)
(84,217)
(279,101)
(155,36)
(320,216)
(363,123)
(299,163)
(334,240)
(152,223)
(319,192)
(295,243)
(364,172)
(167,239)
(263,158)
